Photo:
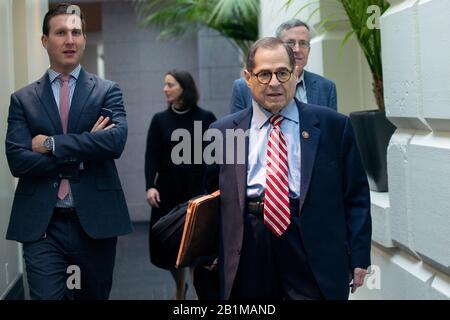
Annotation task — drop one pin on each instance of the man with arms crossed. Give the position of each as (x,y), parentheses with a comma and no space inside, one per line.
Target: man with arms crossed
(69,206)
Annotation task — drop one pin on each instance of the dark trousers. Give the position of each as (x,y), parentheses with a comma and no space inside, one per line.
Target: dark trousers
(65,244)
(273,267)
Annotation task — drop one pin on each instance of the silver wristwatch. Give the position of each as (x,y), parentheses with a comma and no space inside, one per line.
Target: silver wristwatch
(48,144)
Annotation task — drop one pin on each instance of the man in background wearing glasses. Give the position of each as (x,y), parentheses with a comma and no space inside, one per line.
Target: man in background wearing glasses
(295,211)
(311,88)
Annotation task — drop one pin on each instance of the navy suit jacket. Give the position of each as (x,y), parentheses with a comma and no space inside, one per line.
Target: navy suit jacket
(97,192)
(335,222)
(319,91)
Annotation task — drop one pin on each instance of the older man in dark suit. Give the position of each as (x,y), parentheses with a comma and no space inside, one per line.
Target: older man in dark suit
(311,88)
(295,207)
(69,206)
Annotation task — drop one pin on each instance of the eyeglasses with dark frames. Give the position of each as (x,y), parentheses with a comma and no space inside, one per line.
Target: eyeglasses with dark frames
(264,77)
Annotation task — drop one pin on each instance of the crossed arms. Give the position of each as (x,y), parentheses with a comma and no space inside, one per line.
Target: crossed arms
(24,148)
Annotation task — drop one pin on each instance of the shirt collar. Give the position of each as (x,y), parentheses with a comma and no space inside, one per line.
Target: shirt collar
(302,79)
(52,74)
(261,115)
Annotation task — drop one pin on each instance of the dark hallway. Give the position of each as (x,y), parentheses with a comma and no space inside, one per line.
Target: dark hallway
(135,278)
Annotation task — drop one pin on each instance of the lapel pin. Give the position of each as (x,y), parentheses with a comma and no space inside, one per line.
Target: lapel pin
(305,135)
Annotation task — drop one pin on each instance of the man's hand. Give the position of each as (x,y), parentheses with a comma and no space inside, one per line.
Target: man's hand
(101,124)
(37,144)
(358,278)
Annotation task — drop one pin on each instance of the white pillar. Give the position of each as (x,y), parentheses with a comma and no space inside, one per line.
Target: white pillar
(28,51)
(10,264)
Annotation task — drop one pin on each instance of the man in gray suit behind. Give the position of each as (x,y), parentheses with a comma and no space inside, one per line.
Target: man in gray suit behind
(311,88)
(64,132)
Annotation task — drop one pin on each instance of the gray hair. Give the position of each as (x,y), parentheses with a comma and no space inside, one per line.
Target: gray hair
(268,43)
(292,23)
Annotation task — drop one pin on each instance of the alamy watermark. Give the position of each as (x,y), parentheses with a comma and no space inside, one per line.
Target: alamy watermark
(71,21)
(74,279)
(373,278)
(373,22)
(226,147)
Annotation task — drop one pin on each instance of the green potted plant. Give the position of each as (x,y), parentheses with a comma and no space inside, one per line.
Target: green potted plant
(373,130)
(236,20)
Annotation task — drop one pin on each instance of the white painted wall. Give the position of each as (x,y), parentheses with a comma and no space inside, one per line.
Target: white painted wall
(412,222)
(416,81)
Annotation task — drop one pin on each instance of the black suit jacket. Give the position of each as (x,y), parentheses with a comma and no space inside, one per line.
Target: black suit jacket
(335,221)
(97,192)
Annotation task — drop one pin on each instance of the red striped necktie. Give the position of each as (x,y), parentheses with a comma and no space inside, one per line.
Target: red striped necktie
(276,198)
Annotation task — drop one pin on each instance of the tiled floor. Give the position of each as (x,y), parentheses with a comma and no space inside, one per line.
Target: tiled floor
(135,278)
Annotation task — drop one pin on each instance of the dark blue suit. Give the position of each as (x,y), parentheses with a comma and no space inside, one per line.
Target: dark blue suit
(101,210)
(319,91)
(333,225)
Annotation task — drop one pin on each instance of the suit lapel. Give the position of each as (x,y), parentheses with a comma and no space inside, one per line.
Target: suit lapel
(309,142)
(248,98)
(311,88)
(243,122)
(83,89)
(45,93)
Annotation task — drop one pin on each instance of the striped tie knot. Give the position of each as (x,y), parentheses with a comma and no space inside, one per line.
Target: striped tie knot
(276,120)
(277,141)
(64,78)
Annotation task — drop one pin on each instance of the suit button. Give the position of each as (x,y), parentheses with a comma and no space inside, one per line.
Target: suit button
(55,185)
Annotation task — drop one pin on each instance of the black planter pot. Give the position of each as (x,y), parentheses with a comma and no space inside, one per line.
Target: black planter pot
(373,132)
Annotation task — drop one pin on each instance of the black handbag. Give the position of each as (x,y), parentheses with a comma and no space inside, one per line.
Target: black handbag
(167,231)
